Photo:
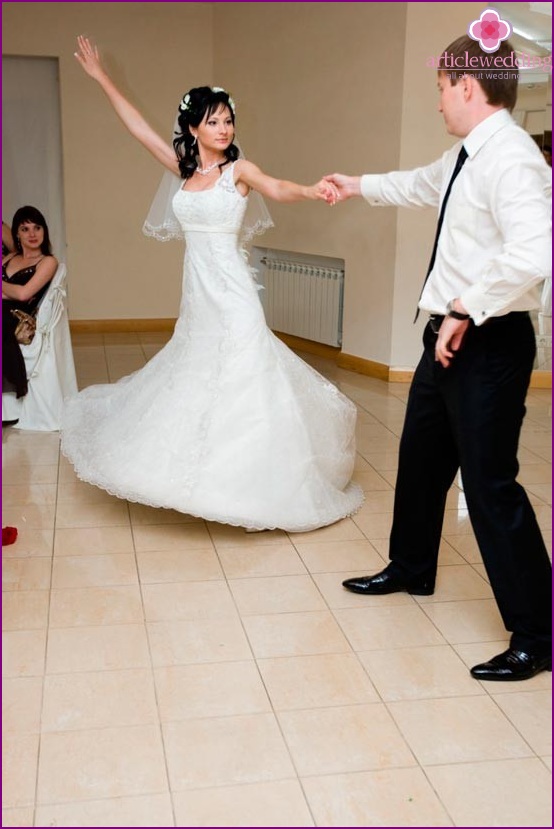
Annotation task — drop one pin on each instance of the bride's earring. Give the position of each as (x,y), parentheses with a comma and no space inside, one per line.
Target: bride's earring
(194,140)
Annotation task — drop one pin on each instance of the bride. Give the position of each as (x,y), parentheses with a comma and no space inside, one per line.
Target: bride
(225,422)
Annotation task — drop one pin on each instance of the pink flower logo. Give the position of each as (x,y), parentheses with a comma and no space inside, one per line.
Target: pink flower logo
(490,30)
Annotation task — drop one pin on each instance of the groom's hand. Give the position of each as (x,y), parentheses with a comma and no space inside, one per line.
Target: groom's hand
(346,186)
(326,191)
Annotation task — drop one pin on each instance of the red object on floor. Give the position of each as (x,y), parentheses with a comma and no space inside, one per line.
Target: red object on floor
(9,534)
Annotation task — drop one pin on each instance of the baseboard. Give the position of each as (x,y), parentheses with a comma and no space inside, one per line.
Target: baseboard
(362,366)
(539,379)
(401,375)
(129,326)
(309,346)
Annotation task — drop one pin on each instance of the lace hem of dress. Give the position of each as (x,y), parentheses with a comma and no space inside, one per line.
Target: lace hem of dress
(353,491)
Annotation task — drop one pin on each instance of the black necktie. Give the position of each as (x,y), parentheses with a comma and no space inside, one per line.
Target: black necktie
(460,161)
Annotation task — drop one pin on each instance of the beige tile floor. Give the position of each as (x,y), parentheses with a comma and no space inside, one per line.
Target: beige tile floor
(164,671)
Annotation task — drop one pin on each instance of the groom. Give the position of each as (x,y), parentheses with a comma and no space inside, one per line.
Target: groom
(467,399)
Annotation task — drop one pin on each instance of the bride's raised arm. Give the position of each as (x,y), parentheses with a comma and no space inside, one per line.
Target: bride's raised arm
(88,57)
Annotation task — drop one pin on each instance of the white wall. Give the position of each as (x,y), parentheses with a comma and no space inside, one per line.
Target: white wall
(430,28)
(154,51)
(319,87)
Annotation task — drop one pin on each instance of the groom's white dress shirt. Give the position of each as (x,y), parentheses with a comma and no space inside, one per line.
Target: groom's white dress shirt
(494,248)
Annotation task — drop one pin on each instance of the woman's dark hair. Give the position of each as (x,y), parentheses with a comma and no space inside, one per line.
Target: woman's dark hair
(200,102)
(31,214)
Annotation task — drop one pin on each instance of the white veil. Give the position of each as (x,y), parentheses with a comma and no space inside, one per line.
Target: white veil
(163,225)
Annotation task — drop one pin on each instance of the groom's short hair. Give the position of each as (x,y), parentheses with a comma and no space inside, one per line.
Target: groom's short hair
(497,78)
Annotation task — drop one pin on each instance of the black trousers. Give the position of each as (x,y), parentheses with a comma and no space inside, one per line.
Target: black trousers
(469,416)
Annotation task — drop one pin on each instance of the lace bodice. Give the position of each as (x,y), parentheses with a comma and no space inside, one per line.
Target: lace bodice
(220,209)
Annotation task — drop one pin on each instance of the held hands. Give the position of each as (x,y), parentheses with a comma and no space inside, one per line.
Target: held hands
(326,191)
(89,58)
(337,187)
(346,186)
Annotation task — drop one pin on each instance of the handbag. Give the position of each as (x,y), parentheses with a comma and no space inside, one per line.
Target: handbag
(25,328)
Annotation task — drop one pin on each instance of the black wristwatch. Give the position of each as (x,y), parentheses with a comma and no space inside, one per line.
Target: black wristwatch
(457,315)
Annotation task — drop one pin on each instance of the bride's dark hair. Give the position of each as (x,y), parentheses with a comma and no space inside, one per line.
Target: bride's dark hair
(198,103)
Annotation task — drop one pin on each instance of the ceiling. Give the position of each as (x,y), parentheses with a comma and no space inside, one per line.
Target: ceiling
(532,33)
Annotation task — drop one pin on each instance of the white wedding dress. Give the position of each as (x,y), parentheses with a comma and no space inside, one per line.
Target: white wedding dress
(225,422)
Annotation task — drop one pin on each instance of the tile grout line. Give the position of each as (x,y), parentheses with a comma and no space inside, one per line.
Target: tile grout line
(47,638)
(152,674)
(264,685)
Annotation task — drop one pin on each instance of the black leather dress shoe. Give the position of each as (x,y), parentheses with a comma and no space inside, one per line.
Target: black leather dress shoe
(389,582)
(512,666)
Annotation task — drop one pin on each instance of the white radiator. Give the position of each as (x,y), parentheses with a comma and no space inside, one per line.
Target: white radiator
(303,299)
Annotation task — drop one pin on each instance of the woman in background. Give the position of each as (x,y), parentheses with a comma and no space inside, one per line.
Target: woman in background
(26,275)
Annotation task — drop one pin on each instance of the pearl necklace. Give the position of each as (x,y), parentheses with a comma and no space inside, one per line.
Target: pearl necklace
(204,171)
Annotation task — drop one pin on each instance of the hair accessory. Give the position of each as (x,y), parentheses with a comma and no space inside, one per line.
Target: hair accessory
(220,89)
(184,106)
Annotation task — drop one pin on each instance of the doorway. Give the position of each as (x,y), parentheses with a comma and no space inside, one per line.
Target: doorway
(32,143)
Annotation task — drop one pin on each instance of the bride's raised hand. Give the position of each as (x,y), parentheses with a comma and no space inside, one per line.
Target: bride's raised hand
(89,58)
